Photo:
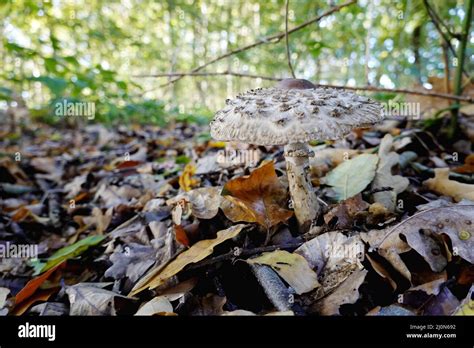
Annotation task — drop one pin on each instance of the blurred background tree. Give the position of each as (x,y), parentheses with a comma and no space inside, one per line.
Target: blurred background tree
(95,50)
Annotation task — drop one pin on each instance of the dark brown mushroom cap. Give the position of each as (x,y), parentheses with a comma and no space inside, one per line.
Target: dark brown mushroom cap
(286,115)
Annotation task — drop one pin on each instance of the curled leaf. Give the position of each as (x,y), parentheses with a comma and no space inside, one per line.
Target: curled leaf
(293,268)
(259,197)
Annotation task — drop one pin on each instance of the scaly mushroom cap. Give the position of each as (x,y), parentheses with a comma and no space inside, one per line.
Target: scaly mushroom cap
(280,116)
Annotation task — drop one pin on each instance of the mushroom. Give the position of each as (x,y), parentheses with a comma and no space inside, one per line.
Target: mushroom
(292,114)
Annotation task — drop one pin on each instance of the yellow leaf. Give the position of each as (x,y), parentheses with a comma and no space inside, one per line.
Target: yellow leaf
(442,185)
(186,180)
(293,268)
(217,144)
(467,306)
(196,253)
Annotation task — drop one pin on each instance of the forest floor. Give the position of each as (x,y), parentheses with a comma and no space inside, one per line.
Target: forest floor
(149,221)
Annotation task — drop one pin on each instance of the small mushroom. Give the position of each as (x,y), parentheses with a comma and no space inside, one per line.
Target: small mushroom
(295,112)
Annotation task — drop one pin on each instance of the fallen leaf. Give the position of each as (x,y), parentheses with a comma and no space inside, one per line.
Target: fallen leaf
(34,284)
(389,246)
(156,306)
(131,261)
(102,220)
(3,296)
(444,303)
(205,201)
(334,257)
(197,252)
(443,185)
(352,176)
(14,170)
(324,159)
(210,304)
(239,312)
(422,232)
(50,309)
(186,180)
(38,296)
(74,187)
(91,299)
(392,310)
(181,236)
(66,253)
(455,222)
(346,293)
(259,198)
(467,305)
(384,178)
(293,268)
(342,215)
(177,291)
(467,167)
(381,271)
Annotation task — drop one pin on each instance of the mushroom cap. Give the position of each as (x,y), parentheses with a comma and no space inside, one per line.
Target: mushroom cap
(293,112)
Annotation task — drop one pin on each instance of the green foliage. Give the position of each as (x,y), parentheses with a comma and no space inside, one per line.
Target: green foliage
(53,50)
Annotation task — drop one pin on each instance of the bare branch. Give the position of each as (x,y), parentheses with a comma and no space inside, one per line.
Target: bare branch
(403,91)
(356,88)
(220,73)
(265,40)
(437,23)
(288,55)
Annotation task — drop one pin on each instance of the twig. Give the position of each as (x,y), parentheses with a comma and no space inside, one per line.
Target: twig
(220,73)
(461,56)
(243,253)
(403,91)
(288,55)
(265,40)
(437,23)
(465,178)
(441,22)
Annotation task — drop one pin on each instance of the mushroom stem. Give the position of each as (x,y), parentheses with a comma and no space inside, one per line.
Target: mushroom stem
(305,203)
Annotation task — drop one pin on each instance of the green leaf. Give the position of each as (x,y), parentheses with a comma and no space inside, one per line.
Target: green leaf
(352,176)
(5,93)
(56,85)
(66,253)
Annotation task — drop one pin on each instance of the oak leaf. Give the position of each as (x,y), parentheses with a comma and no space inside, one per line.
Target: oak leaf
(259,197)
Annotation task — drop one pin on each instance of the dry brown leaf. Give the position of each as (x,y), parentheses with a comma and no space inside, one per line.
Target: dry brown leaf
(456,222)
(259,197)
(346,293)
(389,246)
(467,167)
(384,178)
(14,170)
(345,212)
(91,299)
(334,257)
(443,185)
(324,159)
(196,253)
(159,305)
(102,220)
(467,305)
(422,232)
(204,201)
(380,269)
(293,268)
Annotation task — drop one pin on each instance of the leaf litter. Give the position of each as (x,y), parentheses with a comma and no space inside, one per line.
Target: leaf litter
(155,221)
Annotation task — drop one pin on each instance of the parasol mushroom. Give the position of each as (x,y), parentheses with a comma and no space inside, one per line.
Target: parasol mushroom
(292,114)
